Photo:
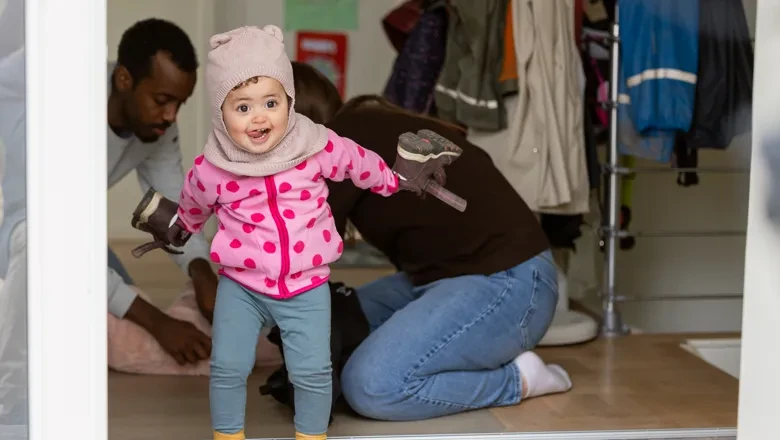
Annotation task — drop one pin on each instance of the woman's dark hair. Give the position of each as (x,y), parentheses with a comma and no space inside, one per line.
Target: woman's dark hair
(315,95)
(318,99)
(381,103)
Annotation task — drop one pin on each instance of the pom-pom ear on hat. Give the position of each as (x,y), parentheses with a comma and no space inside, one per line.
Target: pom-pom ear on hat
(274,31)
(219,40)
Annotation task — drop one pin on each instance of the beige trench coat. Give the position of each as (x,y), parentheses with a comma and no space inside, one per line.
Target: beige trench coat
(542,152)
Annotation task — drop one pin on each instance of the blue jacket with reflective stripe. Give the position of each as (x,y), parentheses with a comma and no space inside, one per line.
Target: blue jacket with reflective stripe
(658,67)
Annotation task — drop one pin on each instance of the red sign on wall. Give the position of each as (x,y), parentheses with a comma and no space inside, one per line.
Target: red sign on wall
(326,52)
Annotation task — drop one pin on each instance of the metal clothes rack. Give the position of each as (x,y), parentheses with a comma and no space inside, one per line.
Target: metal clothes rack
(612,324)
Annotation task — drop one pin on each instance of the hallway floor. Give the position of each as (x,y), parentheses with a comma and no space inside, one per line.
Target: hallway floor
(634,382)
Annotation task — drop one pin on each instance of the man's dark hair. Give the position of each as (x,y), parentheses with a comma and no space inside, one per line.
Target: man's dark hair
(145,38)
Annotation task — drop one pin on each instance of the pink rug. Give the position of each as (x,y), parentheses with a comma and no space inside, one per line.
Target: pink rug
(131,349)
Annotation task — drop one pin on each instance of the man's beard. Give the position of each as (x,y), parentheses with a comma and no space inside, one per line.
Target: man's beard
(145,133)
(146,138)
(142,131)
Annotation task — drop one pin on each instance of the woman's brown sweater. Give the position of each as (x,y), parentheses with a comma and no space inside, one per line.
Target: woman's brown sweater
(425,238)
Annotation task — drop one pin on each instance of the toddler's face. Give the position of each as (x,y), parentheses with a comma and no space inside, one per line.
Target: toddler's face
(256,114)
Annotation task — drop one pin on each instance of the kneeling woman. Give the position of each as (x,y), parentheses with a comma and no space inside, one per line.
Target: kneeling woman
(474,292)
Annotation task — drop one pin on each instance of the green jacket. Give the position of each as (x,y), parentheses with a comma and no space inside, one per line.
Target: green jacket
(468,91)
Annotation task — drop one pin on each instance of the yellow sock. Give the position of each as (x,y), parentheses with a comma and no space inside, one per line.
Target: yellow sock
(237,436)
(299,436)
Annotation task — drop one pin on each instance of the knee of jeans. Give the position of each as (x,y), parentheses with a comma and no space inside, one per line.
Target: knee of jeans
(371,393)
(312,377)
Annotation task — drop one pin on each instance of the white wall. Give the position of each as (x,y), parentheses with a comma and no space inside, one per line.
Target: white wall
(370,58)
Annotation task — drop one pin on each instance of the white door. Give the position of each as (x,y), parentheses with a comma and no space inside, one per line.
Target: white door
(759,390)
(66,218)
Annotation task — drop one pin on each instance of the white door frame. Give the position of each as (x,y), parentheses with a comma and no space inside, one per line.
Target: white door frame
(66,188)
(759,390)
(66,218)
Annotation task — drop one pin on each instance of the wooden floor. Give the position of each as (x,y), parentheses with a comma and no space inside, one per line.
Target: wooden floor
(633,382)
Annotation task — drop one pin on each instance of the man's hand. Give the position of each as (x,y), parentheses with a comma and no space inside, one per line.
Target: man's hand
(204,280)
(180,339)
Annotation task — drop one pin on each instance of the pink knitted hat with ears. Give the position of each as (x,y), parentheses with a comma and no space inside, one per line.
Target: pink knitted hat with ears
(244,53)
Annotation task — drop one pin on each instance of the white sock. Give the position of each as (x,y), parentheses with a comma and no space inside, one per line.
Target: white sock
(540,379)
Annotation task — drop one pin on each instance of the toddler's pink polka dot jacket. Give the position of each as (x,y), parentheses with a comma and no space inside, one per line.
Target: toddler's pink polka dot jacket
(276,233)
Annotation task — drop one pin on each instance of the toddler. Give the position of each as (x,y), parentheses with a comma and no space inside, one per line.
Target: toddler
(261,174)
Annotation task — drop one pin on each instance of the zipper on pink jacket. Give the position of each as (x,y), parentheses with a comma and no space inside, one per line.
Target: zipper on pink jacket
(284,235)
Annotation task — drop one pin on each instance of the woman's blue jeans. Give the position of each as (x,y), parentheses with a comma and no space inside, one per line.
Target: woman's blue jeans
(448,346)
